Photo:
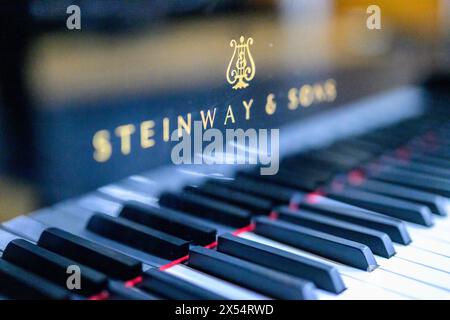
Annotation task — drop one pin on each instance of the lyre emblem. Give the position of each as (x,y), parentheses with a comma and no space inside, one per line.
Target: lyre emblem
(241,68)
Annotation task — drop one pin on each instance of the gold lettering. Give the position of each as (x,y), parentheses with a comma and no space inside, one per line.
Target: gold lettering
(102,145)
(229,115)
(293,99)
(147,133)
(247,106)
(271,105)
(124,133)
(183,125)
(319,93)
(330,89)
(306,95)
(166,129)
(208,118)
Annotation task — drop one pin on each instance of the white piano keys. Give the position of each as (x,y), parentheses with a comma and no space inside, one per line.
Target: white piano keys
(123,194)
(358,290)
(431,245)
(5,238)
(423,257)
(25,227)
(407,287)
(434,232)
(416,271)
(443,224)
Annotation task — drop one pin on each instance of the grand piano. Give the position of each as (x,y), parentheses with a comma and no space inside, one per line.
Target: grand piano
(357,207)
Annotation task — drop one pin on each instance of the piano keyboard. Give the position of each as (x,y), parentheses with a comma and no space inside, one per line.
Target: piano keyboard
(363,218)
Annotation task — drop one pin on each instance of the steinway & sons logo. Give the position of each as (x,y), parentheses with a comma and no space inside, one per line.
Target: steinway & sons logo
(208,145)
(241,68)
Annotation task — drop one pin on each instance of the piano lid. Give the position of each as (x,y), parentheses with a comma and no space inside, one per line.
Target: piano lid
(151,66)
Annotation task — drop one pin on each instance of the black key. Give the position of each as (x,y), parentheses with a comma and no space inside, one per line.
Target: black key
(324,276)
(285,179)
(254,204)
(246,274)
(52,266)
(442,154)
(415,180)
(270,191)
(304,162)
(138,236)
(308,170)
(397,208)
(361,153)
(172,287)
(169,221)
(106,260)
(335,248)
(395,228)
(334,159)
(378,242)
(430,160)
(17,283)
(436,203)
(309,160)
(344,156)
(217,211)
(415,166)
(118,291)
(385,138)
(365,145)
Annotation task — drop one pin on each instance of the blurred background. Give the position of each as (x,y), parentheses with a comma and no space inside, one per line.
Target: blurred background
(147,59)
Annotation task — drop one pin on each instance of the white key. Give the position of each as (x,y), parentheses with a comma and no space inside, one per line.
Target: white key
(379,277)
(324,295)
(5,238)
(26,227)
(406,286)
(443,221)
(415,271)
(216,285)
(431,245)
(423,257)
(95,202)
(358,290)
(127,195)
(443,229)
(435,233)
